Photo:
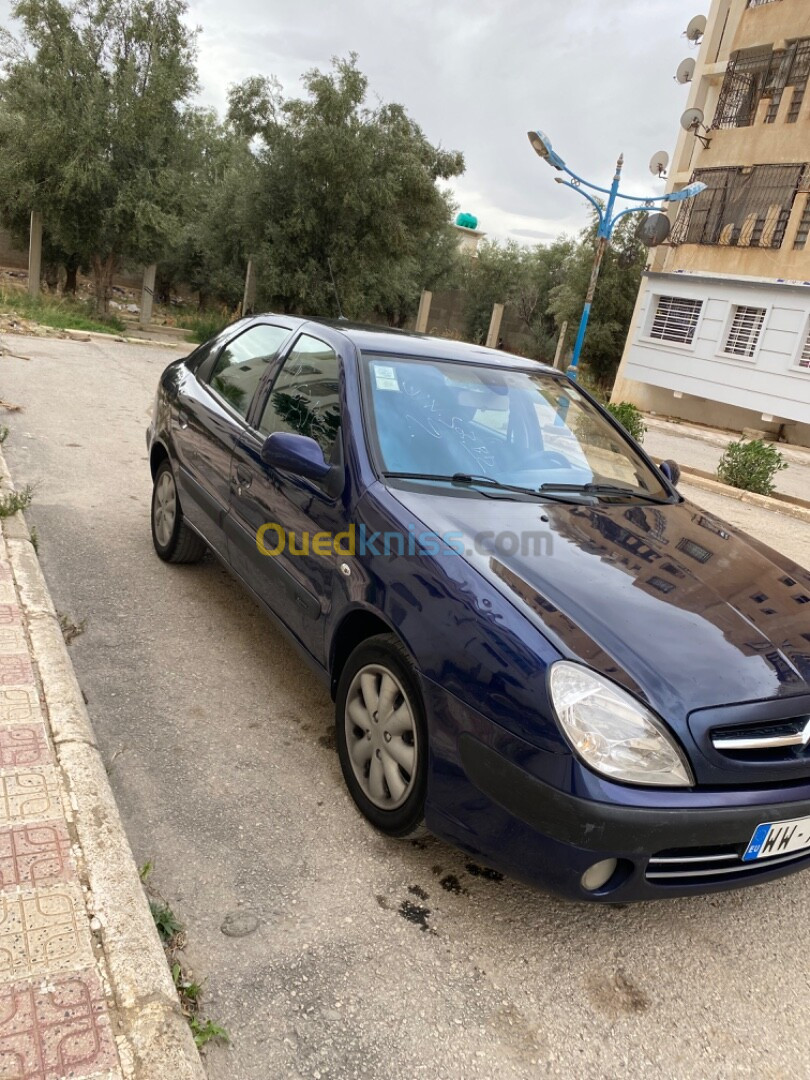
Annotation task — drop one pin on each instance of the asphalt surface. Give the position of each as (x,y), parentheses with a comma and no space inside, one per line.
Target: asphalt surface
(359,956)
(679,444)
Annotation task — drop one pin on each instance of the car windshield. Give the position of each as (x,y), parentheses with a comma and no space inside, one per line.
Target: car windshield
(442,419)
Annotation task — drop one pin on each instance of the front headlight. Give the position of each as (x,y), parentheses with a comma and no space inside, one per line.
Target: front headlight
(612,732)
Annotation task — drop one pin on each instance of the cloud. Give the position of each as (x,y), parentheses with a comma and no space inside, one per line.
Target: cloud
(597,77)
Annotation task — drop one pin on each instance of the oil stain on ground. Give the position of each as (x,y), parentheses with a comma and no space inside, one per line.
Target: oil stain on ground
(417,914)
(617,995)
(451,884)
(483,872)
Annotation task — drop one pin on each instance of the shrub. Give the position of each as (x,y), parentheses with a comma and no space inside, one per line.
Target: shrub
(750,466)
(630,418)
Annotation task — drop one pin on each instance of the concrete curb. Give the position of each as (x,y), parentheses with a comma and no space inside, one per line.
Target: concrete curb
(94,335)
(154,1039)
(777,506)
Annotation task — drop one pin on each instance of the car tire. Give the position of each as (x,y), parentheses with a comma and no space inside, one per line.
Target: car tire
(383,757)
(174,540)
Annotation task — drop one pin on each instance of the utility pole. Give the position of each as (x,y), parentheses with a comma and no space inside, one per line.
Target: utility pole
(494,331)
(249,299)
(560,344)
(35,253)
(423,315)
(148,294)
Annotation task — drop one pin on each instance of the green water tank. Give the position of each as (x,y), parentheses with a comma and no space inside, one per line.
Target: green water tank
(467,221)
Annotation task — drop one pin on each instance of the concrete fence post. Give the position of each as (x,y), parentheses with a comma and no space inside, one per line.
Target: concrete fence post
(423,314)
(148,294)
(494,326)
(249,299)
(35,253)
(558,361)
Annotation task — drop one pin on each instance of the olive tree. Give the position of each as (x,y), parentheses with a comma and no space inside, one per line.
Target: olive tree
(94,127)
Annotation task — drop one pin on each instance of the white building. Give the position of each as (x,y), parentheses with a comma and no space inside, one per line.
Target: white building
(721,330)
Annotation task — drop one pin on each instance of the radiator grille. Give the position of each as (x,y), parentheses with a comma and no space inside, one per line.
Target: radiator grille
(696,866)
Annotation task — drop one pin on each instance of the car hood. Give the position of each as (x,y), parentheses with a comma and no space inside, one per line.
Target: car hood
(669,600)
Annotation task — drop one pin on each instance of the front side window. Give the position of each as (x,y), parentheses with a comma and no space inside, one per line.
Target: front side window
(305,398)
(433,418)
(242,363)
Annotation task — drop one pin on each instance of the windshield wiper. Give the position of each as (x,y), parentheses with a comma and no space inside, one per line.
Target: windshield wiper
(473,480)
(604,489)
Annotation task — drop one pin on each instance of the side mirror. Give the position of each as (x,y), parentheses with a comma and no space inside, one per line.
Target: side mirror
(297,453)
(671,470)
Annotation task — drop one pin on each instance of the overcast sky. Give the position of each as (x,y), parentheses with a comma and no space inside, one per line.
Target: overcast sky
(476,75)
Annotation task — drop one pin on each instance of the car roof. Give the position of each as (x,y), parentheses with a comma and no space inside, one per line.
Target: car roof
(390,341)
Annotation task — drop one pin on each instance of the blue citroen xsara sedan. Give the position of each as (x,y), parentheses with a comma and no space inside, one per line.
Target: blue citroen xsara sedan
(537,649)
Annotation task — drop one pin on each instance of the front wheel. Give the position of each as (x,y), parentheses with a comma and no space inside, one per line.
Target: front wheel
(174,541)
(382,736)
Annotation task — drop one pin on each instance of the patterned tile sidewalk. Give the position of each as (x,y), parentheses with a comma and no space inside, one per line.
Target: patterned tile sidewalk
(54,1008)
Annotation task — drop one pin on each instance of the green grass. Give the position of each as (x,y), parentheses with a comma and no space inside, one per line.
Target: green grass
(13,501)
(62,313)
(165,920)
(204,325)
(205,1031)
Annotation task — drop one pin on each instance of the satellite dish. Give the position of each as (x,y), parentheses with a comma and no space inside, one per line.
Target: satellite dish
(692,120)
(686,69)
(659,162)
(696,28)
(654,230)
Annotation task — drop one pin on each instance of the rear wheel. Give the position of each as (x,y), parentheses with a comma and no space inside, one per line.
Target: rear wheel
(382,736)
(174,541)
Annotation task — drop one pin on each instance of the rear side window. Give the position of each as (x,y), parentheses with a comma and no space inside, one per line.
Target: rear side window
(305,398)
(242,363)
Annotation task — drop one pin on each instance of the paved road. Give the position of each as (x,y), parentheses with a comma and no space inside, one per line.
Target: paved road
(679,443)
(369,958)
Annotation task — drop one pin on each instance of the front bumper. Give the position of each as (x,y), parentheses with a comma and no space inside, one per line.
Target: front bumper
(601,827)
(548,837)
(543,818)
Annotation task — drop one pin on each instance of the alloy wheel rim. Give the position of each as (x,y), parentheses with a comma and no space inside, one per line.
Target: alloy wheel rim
(381,736)
(165,508)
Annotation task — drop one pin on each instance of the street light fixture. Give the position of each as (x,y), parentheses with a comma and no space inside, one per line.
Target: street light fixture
(541,145)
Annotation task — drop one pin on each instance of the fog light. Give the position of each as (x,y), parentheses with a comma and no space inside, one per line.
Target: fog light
(599,874)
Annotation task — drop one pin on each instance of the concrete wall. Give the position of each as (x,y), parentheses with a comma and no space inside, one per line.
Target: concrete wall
(448,319)
(10,254)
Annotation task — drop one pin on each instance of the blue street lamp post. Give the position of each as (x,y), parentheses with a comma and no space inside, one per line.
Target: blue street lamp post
(607,219)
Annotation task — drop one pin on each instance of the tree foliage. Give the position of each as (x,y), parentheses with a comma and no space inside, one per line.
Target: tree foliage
(522,277)
(210,249)
(545,286)
(94,127)
(342,183)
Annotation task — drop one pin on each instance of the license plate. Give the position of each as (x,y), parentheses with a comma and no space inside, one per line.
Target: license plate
(778,838)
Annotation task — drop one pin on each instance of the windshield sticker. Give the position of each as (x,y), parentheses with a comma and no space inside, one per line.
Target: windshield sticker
(386,378)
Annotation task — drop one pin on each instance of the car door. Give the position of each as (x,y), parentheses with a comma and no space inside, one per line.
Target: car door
(211,409)
(295,582)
